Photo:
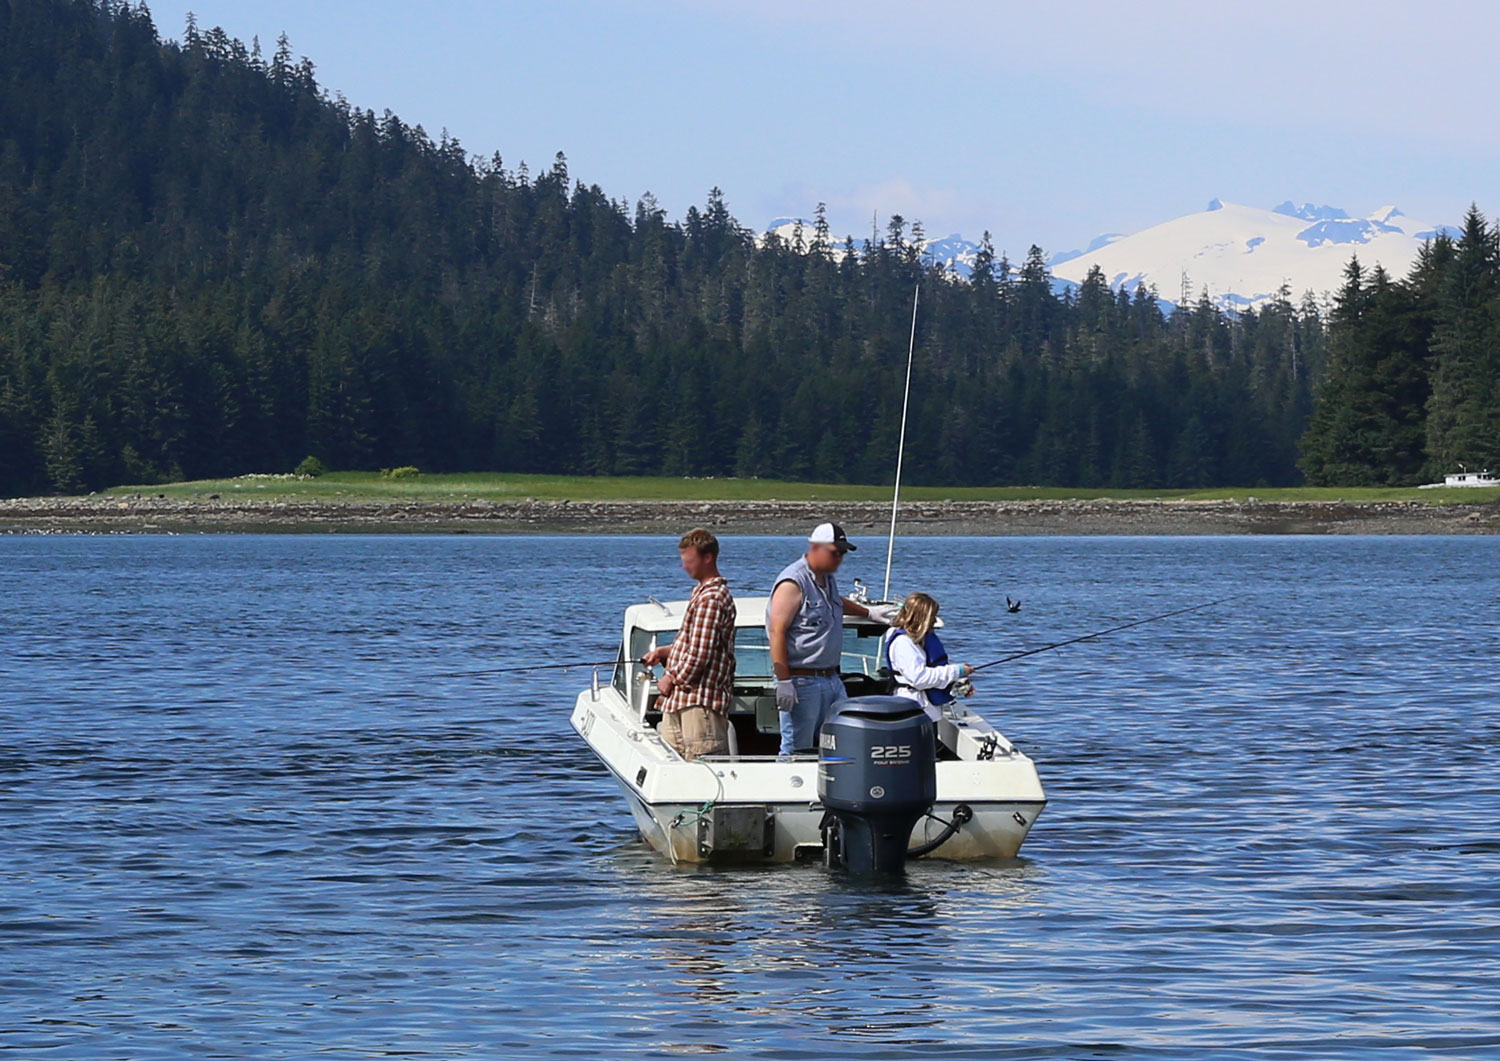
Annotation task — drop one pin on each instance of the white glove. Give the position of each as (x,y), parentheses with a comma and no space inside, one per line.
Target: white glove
(786,695)
(883,613)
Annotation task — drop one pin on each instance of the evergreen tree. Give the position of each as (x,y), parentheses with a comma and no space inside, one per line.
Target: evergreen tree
(209,267)
(1463,421)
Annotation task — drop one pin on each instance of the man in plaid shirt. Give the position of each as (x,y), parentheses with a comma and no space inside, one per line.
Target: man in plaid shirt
(698,683)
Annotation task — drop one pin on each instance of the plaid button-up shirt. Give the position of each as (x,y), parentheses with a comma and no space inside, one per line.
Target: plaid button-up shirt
(701,657)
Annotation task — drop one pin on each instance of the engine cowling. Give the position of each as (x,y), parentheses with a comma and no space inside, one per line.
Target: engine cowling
(877,777)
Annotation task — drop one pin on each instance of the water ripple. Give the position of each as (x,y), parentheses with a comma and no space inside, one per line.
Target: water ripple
(260,797)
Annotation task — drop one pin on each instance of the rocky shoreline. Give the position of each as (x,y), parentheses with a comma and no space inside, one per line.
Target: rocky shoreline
(160,514)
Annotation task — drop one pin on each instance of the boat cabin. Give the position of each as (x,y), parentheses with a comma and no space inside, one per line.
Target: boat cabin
(754,722)
(1484,478)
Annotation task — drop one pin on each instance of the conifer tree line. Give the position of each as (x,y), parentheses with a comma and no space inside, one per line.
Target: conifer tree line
(209,266)
(1413,384)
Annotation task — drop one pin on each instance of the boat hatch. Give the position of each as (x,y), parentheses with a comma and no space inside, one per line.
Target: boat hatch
(742,829)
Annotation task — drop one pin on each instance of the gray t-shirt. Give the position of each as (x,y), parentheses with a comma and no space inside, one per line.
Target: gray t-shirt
(815,638)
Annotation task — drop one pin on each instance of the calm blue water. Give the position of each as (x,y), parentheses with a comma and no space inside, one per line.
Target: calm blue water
(258,800)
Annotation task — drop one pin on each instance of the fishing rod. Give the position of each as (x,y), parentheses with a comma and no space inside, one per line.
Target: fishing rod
(616,662)
(1101,633)
(890,549)
(534,666)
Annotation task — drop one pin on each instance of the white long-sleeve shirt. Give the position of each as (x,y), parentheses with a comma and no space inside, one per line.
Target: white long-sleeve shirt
(914,675)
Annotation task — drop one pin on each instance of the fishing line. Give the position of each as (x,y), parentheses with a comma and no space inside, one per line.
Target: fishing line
(537,666)
(1101,633)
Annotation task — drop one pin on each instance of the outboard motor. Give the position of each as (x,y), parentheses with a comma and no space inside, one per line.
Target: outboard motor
(877,776)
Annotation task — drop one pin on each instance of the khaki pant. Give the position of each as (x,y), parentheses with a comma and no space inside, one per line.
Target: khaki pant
(695,731)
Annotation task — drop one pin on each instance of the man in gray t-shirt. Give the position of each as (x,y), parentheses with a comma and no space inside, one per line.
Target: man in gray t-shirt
(805,627)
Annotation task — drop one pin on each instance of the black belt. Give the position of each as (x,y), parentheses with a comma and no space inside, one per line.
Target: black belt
(813,672)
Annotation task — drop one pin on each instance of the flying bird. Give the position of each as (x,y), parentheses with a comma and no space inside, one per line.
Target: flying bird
(1012,605)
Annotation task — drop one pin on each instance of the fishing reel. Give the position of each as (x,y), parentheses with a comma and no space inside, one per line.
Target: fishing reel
(644,674)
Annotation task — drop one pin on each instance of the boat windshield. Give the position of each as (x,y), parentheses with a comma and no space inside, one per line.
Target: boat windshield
(752,654)
(861,654)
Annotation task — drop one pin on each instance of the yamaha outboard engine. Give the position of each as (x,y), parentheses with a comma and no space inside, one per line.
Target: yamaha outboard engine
(877,776)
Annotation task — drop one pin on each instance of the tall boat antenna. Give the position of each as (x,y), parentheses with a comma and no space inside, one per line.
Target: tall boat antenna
(911,346)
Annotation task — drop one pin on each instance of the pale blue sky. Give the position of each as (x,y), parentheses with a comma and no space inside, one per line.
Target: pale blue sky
(1043,122)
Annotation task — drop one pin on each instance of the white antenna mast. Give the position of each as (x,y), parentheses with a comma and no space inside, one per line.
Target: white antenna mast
(890,549)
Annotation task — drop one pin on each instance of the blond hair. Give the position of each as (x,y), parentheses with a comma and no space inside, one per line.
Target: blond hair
(918,615)
(699,539)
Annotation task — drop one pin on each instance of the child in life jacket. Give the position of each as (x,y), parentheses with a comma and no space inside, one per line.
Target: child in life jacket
(917,659)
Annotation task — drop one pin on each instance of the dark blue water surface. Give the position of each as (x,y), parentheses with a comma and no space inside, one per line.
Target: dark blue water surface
(258,799)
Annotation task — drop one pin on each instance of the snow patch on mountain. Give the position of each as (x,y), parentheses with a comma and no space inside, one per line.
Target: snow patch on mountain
(1243,255)
(952,251)
(785,229)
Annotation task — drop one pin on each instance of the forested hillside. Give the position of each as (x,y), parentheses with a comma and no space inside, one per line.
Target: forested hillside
(1413,387)
(209,266)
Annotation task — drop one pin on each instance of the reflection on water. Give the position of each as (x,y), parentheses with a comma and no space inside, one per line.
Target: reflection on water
(260,798)
(747,950)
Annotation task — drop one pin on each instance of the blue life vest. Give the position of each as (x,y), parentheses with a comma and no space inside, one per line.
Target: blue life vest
(936,655)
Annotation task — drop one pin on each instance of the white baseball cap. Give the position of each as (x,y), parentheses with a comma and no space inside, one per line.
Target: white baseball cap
(831,534)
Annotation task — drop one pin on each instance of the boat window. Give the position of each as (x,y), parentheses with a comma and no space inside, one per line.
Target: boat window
(643,641)
(621,680)
(861,653)
(752,652)
(862,649)
(640,642)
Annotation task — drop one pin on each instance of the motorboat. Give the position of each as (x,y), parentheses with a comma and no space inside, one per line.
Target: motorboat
(756,805)
(1462,477)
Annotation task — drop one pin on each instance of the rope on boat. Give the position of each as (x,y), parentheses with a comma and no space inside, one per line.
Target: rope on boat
(701,814)
(962,815)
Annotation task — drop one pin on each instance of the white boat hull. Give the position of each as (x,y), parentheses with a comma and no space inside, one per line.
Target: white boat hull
(766,809)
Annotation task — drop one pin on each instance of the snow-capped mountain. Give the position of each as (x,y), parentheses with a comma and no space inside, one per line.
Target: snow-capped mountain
(1243,255)
(953,251)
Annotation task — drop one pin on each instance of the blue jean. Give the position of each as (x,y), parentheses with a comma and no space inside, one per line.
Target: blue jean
(799,726)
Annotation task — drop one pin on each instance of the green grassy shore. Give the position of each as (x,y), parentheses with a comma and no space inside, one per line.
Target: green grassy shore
(367,487)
